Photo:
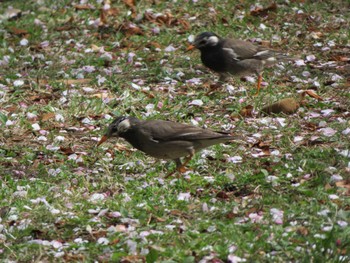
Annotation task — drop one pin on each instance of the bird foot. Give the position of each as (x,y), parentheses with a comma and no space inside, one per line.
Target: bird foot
(180,170)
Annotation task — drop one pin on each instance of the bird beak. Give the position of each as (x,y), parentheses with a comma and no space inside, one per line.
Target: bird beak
(190,47)
(103,139)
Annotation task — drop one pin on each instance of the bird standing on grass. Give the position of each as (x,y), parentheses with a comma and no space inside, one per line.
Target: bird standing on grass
(164,139)
(233,56)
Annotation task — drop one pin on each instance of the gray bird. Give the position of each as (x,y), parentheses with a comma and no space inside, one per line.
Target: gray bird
(164,139)
(233,56)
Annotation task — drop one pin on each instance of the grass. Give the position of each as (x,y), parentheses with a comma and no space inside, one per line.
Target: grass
(63,199)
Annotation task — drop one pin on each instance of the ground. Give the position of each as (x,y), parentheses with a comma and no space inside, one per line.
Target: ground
(279,194)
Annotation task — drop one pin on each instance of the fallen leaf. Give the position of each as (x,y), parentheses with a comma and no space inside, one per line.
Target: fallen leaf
(66,151)
(312,94)
(302,231)
(286,106)
(47,116)
(43,82)
(133,259)
(130,29)
(264,11)
(247,111)
(18,31)
(222,195)
(129,3)
(103,18)
(83,7)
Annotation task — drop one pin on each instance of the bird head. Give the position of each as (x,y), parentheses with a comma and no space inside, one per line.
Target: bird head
(119,126)
(206,39)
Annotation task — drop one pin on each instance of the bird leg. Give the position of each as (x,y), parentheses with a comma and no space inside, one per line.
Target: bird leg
(258,84)
(180,167)
(178,164)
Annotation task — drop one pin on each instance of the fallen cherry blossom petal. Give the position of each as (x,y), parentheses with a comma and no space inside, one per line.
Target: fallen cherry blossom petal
(346,131)
(328,132)
(196,102)
(24,42)
(170,48)
(310,58)
(97,197)
(277,215)
(184,196)
(18,83)
(298,138)
(333,197)
(235,159)
(234,259)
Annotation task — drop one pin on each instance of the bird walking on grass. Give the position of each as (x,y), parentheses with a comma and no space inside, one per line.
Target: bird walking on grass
(234,56)
(164,139)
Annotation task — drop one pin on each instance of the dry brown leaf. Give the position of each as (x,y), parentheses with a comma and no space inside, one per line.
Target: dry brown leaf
(112,11)
(133,259)
(99,233)
(247,111)
(66,151)
(131,5)
(64,28)
(343,184)
(222,195)
(265,43)
(176,212)
(122,148)
(18,31)
(95,48)
(43,82)
(83,7)
(102,95)
(130,29)
(286,106)
(103,18)
(302,231)
(154,44)
(312,94)
(67,25)
(69,257)
(264,11)
(48,116)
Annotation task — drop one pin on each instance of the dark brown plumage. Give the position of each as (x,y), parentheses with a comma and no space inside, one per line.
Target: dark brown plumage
(234,56)
(164,139)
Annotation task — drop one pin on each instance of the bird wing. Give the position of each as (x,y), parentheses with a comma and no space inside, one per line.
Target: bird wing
(239,49)
(162,131)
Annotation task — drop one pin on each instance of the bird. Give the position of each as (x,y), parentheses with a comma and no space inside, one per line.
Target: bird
(234,56)
(164,139)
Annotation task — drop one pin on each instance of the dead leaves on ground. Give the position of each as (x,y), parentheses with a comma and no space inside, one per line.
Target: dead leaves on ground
(43,82)
(260,11)
(110,18)
(289,105)
(286,106)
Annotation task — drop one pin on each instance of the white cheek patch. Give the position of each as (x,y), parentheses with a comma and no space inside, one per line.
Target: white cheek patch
(124,126)
(213,40)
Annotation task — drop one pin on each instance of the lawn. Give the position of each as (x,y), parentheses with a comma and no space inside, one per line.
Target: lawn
(278,194)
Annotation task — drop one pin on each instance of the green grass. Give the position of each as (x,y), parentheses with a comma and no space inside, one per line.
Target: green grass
(71,201)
